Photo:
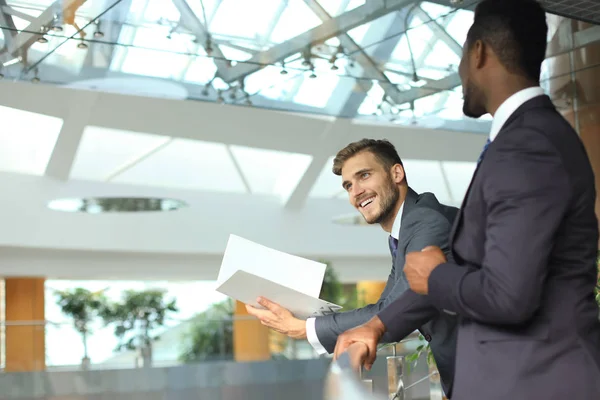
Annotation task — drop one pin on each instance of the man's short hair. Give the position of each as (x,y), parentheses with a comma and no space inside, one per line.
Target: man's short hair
(383,150)
(517,32)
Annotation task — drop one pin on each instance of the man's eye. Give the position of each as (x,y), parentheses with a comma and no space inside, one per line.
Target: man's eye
(365,175)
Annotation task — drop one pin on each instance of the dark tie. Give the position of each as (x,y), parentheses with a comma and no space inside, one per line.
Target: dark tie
(485,147)
(393,246)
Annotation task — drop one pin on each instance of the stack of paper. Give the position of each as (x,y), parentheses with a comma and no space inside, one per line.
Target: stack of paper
(250,270)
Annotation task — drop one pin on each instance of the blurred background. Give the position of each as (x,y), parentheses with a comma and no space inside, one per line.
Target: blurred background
(138,134)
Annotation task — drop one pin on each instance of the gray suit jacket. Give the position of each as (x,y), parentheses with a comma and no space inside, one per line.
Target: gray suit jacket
(525,245)
(425,222)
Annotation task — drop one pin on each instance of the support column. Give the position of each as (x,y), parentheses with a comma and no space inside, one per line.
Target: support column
(574,86)
(25,344)
(369,291)
(250,337)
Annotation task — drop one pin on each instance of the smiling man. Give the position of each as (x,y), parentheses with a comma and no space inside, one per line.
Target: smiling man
(374,178)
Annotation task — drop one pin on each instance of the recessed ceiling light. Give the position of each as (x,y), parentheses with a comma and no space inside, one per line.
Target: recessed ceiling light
(98,205)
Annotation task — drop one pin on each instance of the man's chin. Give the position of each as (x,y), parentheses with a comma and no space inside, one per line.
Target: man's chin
(471,113)
(369,219)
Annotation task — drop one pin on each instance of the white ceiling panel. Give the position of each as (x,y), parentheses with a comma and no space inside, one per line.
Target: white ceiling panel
(27,140)
(187,164)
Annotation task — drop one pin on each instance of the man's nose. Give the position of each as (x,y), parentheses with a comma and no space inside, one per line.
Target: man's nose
(357,190)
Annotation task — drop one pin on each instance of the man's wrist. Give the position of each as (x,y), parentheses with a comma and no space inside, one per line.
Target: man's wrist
(376,324)
(300,329)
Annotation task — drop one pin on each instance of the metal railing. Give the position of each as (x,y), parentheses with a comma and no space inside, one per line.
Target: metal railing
(402,380)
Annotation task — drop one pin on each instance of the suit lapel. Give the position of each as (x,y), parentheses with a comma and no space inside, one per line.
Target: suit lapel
(536,102)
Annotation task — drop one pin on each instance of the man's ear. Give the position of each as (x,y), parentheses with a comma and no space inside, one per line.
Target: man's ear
(478,53)
(397,173)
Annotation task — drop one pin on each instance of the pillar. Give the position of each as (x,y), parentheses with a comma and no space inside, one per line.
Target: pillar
(25,344)
(369,291)
(574,86)
(250,337)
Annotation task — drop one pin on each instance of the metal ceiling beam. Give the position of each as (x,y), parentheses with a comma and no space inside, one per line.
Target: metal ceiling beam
(111,25)
(29,35)
(193,23)
(439,31)
(433,87)
(8,26)
(370,67)
(370,11)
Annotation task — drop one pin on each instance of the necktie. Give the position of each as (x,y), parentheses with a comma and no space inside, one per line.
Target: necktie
(393,245)
(485,147)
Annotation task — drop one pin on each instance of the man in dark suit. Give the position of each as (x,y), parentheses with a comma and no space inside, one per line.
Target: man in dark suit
(373,175)
(525,240)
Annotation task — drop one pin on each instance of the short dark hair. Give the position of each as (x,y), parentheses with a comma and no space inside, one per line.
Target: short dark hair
(517,32)
(383,150)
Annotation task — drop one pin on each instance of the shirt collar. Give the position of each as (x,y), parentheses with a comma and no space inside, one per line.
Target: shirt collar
(395,233)
(510,105)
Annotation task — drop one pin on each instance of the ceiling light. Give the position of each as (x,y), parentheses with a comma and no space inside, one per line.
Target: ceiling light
(82,45)
(42,39)
(98,34)
(98,205)
(416,81)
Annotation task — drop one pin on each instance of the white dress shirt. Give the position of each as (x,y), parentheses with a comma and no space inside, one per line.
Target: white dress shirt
(311,332)
(510,105)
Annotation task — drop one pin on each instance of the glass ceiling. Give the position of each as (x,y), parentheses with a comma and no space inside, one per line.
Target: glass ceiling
(347,58)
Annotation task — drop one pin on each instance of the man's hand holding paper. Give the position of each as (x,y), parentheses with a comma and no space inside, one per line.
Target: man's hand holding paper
(278,318)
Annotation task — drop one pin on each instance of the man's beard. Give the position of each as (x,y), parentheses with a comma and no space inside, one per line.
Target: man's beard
(388,200)
(472,103)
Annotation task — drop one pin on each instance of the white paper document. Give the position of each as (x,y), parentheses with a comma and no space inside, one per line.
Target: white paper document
(250,270)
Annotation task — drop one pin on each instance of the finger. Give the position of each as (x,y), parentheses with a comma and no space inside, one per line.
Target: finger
(371,356)
(261,314)
(268,304)
(340,347)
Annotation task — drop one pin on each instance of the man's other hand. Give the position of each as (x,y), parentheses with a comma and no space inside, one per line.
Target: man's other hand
(419,265)
(369,333)
(278,318)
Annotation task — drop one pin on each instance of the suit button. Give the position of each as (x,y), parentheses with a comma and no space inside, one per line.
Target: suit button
(428,337)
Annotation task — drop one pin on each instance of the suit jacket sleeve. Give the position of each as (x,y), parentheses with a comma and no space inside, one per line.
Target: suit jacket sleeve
(526,193)
(428,227)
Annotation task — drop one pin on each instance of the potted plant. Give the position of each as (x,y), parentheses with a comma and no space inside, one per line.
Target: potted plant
(136,319)
(82,306)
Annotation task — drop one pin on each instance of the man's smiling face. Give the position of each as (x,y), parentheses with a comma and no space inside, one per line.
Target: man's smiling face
(371,188)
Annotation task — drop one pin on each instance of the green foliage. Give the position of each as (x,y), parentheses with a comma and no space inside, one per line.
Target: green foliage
(137,316)
(333,290)
(413,358)
(81,305)
(211,335)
